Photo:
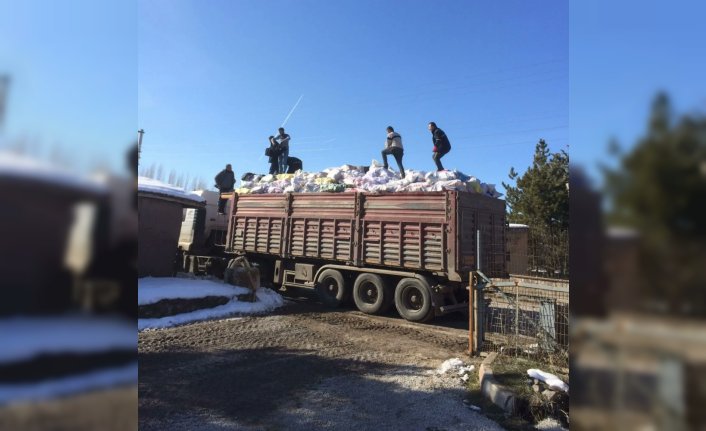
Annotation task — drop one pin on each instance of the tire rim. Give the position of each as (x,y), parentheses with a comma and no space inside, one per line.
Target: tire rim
(369,293)
(330,287)
(413,299)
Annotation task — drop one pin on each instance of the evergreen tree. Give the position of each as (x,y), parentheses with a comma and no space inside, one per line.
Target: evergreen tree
(658,188)
(540,197)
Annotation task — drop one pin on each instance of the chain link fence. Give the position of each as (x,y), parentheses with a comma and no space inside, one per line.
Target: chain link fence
(527,316)
(538,251)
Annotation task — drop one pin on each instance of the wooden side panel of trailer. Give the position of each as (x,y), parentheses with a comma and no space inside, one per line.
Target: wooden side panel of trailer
(258,224)
(405,230)
(322,226)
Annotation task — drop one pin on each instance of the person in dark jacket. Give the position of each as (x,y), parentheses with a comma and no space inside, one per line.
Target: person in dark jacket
(273,158)
(441,144)
(393,145)
(283,141)
(225,181)
(294,164)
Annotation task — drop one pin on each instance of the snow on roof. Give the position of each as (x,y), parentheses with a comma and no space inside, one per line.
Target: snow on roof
(149,185)
(22,167)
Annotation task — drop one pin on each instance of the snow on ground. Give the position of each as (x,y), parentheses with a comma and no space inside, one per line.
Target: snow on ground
(551,380)
(24,338)
(13,393)
(376,179)
(23,167)
(456,365)
(150,185)
(151,290)
(157,289)
(549,424)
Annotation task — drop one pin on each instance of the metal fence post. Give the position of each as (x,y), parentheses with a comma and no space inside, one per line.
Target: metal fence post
(471,315)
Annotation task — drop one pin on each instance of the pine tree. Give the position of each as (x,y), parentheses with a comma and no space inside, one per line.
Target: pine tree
(541,196)
(658,189)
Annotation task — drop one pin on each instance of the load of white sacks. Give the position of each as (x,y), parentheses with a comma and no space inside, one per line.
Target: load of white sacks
(349,178)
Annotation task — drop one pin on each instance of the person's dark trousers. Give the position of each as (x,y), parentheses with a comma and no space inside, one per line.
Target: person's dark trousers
(222,202)
(273,167)
(437,159)
(397,153)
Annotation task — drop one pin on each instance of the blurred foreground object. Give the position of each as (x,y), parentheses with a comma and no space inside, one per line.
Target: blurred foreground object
(643,366)
(67,327)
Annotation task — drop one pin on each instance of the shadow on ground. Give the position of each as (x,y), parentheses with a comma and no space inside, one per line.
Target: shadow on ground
(275,388)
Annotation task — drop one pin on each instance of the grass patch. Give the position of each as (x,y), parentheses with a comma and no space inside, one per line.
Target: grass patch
(511,372)
(490,410)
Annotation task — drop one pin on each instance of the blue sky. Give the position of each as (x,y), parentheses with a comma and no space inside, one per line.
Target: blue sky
(73,68)
(622,53)
(216,78)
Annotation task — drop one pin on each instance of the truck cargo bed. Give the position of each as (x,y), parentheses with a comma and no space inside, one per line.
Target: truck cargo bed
(431,232)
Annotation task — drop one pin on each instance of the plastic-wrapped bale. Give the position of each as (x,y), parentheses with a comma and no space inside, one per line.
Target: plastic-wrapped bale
(324,180)
(332,188)
(473,185)
(243,190)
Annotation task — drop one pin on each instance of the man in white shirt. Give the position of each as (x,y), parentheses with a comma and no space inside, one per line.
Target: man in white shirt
(393,146)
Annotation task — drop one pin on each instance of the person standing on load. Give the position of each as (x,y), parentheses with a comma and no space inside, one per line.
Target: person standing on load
(225,181)
(273,156)
(393,146)
(441,144)
(283,141)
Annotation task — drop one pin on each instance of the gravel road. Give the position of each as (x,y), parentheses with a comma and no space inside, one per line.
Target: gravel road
(303,368)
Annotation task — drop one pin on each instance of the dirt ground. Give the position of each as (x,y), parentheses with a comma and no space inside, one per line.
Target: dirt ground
(113,409)
(304,367)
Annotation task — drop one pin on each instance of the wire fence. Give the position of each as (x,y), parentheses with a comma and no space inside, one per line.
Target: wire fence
(538,251)
(527,316)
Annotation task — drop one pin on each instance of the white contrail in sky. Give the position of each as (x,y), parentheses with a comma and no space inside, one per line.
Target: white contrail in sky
(290,112)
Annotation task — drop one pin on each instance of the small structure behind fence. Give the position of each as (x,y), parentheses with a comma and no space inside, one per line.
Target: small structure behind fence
(521,315)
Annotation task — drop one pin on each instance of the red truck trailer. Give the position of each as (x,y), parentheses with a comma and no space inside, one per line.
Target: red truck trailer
(413,250)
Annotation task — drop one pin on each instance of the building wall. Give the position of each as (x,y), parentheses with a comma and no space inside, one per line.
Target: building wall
(159,226)
(517,248)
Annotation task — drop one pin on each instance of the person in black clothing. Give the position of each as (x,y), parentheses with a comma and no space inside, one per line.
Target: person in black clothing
(225,181)
(441,144)
(293,165)
(273,156)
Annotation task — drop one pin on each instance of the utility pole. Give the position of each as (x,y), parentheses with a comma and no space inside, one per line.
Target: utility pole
(139,143)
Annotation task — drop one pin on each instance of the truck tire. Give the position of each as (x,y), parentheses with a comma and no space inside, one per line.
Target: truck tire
(371,294)
(331,287)
(413,300)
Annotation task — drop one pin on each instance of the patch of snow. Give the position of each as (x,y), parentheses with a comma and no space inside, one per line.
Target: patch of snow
(155,289)
(449,364)
(24,338)
(12,393)
(150,185)
(267,300)
(518,225)
(23,167)
(455,364)
(551,380)
(549,424)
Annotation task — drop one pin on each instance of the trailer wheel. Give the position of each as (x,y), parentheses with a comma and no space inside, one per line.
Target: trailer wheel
(371,294)
(331,287)
(413,300)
